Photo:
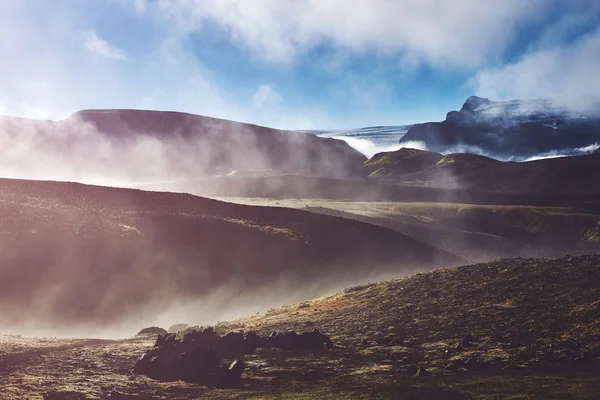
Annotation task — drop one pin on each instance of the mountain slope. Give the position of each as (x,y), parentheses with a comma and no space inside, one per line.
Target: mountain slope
(513,328)
(402,161)
(76,254)
(509,129)
(575,175)
(141,145)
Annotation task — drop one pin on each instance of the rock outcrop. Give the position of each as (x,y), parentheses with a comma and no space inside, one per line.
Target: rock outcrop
(198,356)
(153,330)
(516,128)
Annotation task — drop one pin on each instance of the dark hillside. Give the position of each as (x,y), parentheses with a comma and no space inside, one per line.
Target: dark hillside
(88,254)
(509,329)
(143,145)
(557,178)
(523,128)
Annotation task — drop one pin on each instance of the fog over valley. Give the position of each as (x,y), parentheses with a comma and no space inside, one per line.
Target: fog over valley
(302,199)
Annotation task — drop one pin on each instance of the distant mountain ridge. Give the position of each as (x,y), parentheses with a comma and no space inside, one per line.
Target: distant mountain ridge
(147,145)
(516,128)
(574,176)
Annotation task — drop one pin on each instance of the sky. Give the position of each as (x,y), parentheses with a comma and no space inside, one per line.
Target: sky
(294,64)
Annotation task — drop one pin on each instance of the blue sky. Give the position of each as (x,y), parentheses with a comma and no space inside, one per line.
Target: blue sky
(298,64)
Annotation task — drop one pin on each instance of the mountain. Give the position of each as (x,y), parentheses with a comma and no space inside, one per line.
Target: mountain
(569,176)
(402,161)
(141,145)
(516,128)
(75,254)
(478,232)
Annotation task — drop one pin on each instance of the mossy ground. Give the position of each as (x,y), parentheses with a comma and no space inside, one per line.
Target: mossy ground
(529,318)
(475,232)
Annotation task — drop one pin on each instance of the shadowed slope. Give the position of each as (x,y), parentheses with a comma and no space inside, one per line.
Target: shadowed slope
(77,253)
(574,176)
(513,328)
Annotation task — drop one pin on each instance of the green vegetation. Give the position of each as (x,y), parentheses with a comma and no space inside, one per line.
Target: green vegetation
(476,232)
(446,160)
(593,235)
(382,160)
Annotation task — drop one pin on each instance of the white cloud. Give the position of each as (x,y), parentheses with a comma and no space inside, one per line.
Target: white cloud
(369,147)
(266,97)
(461,32)
(48,73)
(568,75)
(95,44)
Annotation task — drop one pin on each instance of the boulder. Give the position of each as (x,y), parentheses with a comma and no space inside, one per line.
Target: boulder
(289,341)
(236,368)
(198,366)
(307,341)
(197,356)
(166,365)
(234,344)
(315,340)
(230,376)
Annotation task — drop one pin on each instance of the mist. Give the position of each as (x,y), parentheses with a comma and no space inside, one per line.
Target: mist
(370,147)
(131,147)
(91,260)
(86,261)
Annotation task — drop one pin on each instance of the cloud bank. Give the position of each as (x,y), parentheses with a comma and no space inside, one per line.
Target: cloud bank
(568,75)
(226,58)
(462,32)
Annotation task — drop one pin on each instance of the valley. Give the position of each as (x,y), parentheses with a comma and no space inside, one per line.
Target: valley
(433,275)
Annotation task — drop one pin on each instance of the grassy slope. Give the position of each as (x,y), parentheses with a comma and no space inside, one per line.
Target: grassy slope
(540,186)
(574,176)
(530,319)
(86,253)
(401,161)
(476,232)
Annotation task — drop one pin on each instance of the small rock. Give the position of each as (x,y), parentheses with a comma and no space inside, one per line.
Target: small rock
(467,341)
(422,372)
